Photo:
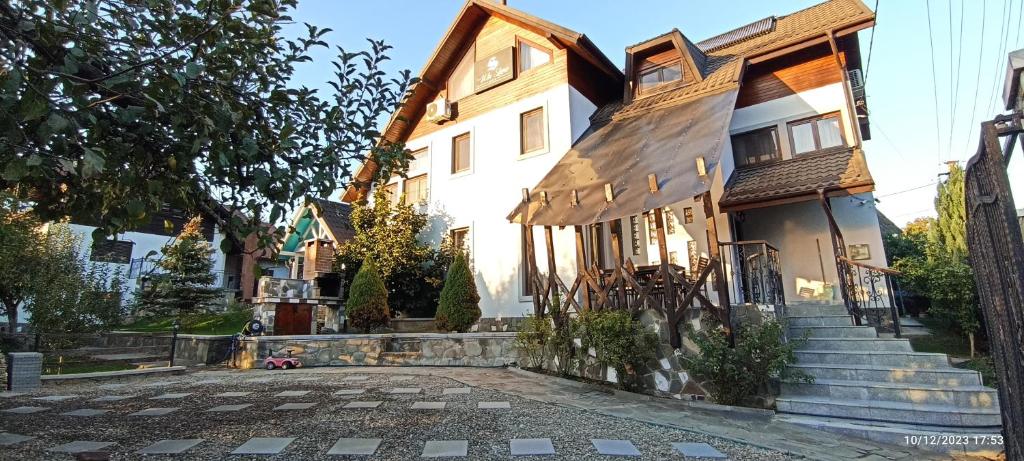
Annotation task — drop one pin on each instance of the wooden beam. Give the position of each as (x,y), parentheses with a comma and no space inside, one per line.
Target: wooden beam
(531,257)
(574,199)
(669,281)
(702,168)
(714,252)
(609,193)
(549,245)
(616,234)
(652,182)
(581,264)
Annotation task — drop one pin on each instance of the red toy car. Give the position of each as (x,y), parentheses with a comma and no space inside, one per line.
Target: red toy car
(272,362)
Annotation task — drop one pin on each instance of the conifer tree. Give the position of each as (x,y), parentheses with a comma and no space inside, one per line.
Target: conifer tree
(459,306)
(367,305)
(186,285)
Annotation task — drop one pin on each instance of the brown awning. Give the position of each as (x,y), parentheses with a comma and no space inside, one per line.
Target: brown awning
(623,152)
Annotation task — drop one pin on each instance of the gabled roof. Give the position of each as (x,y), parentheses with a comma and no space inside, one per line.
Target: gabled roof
(336,216)
(446,56)
(797,178)
(328,215)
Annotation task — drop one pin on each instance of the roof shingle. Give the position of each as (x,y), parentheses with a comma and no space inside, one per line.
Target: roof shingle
(802,175)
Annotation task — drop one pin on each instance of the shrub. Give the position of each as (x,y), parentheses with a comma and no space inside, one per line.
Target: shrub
(736,374)
(367,305)
(532,339)
(619,342)
(459,306)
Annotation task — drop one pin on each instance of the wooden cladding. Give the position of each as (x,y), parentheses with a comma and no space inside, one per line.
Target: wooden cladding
(789,75)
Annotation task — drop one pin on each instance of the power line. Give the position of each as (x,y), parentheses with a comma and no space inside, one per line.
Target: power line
(977,85)
(959,55)
(935,87)
(871,45)
(908,190)
(1004,35)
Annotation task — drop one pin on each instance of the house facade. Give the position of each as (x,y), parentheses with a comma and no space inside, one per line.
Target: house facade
(509,101)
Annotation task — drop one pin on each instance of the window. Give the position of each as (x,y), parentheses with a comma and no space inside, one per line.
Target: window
(634,234)
(531,55)
(391,192)
(673,257)
(460,238)
(531,129)
(419,160)
(111,251)
(460,84)
(670,222)
(660,74)
(691,252)
(755,147)
(416,189)
(816,133)
(688,215)
(460,153)
(652,229)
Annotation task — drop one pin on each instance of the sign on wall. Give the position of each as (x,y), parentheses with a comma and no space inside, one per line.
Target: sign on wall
(860,252)
(493,70)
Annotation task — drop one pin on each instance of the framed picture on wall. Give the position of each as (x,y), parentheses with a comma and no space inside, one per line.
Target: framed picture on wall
(860,251)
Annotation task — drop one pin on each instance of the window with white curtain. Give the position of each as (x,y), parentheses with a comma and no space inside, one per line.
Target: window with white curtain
(816,133)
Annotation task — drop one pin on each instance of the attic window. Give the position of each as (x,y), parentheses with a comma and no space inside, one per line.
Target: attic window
(460,84)
(532,55)
(660,74)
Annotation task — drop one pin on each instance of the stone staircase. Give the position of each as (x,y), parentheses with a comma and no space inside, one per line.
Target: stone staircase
(879,388)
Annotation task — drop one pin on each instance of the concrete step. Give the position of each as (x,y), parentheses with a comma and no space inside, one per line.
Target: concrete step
(802,310)
(855,344)
(897,359)
(951,377)
(968,397)
(977,442)
(848,331)
(891,412)
(819,321)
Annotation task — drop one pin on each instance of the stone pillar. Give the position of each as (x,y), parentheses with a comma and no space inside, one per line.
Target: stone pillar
(25,369)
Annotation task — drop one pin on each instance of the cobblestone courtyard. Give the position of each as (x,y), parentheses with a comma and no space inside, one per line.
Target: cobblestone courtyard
(337,412)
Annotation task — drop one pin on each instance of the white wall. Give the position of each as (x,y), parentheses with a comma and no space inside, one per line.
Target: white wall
(778,112)
(482,197)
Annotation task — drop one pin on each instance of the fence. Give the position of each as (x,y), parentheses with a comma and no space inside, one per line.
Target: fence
(875,293)
(754,275)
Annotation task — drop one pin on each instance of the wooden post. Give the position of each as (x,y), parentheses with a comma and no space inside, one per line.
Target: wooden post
(549,245)
(616,231)
(667,281)
(715,254)
(531,257)
(581,266)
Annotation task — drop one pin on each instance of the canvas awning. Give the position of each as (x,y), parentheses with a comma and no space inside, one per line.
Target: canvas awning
(623,152)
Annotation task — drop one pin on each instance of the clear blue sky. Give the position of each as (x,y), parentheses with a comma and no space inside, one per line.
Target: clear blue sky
(907,149)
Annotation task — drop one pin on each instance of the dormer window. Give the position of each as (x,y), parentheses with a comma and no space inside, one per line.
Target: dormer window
(660,74)
(532,55)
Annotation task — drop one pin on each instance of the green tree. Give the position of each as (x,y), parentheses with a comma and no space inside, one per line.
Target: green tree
(367,305)
(459,305)
(186,283)
(19,256)
(69,293)
(949,233)
(388,233)
(111,110)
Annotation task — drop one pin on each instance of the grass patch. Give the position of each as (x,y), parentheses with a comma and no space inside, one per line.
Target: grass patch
(942,342)
(226,323)
(52,368)
(983,365)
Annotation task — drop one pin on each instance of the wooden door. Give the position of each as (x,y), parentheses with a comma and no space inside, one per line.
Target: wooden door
(293,319)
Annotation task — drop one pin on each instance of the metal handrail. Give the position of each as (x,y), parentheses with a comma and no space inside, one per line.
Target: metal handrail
(869,281)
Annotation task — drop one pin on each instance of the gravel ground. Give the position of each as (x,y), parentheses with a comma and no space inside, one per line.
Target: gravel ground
(403,430)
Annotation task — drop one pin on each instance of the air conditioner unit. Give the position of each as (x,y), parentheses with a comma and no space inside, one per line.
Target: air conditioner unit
(856,78)
(439,111)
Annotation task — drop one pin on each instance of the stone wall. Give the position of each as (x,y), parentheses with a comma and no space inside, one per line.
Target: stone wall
(397,349)
(202,349)
(3,371)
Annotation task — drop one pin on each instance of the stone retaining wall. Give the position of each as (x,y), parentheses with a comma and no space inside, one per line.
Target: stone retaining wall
(397,349)
(202,349)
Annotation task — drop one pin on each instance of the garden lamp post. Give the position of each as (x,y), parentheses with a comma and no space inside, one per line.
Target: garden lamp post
(174,340)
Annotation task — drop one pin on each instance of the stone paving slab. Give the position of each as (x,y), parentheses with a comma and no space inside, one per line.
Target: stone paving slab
(170,447)
(531,447)
(7,438)
(25,410)
(55,398)
(698,450)
(363,404)
(113,386)
(263,446)
(455,390)
(233,394)
(445,448)
(258,380)
(85,412)
(295,406)
(112,398)
(171,396)
(405,390)
(615,447)
(308,379)
(345,446)
(9,394)
(291,394)
(161,383)
(350,392)
(493,405)
(229,408)
(400,378)
(428,405)
(80,446)
(156,411)
(355,378)
(206,382)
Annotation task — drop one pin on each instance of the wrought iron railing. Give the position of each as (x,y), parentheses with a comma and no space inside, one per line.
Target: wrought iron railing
(873,294)
(754,274)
